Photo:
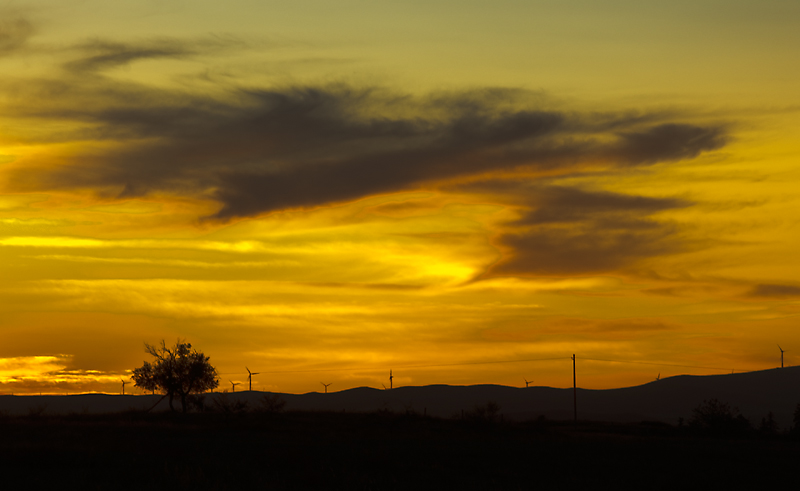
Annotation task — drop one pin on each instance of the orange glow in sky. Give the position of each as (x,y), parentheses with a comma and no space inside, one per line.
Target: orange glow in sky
(461,192)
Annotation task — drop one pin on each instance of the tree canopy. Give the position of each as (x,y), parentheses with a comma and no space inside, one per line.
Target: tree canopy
(177,371)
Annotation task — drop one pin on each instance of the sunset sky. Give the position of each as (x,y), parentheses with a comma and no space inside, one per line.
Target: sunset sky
(462,192)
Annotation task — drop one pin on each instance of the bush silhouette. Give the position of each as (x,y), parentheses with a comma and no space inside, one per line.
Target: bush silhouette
(177,371)
(486,413)
(719,419)
(272,403)
(768,425)
(224,404)
(795,431)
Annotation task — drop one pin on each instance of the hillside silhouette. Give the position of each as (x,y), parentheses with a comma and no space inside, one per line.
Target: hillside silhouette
(754,393)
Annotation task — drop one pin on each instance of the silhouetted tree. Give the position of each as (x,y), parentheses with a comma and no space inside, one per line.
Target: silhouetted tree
(768,425)
(796,421)
(176,371)
(718,418)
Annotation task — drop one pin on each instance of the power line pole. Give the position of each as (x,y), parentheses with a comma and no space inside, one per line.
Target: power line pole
(574,390)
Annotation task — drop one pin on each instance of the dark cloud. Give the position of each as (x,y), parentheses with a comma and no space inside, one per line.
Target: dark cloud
(564,205)
(774,291)
(268,150)
(257,150)
(572,231)
(667,142)
(590,247)
(14,33)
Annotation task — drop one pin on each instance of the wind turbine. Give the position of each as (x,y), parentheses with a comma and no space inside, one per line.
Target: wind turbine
(250,377)
(123,385)
(782,351)
(658,377)
(326,386)
(390,380)
(233,385)
(527,383)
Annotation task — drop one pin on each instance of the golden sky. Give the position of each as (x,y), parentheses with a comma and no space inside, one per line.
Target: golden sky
(462,192)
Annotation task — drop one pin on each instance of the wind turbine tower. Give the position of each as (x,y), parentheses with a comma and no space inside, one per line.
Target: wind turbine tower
(527,382)
(123,386)
(326,386)
(250,377)
(391,377)
(233,385)
(782,351)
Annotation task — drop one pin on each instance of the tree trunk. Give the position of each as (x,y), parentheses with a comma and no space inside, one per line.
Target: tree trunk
(171,407)
(183,403)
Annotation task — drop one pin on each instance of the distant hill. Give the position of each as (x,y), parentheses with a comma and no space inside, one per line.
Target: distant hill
(754,393)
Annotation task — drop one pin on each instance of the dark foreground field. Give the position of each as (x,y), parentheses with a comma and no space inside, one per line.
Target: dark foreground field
(304,450)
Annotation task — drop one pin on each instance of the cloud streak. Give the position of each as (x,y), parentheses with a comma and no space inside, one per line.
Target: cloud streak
(99,54)
(774,291)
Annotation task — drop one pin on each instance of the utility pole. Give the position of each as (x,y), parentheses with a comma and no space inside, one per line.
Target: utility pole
(574,390)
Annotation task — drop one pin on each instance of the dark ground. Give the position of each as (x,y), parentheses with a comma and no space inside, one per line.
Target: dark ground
(305,450)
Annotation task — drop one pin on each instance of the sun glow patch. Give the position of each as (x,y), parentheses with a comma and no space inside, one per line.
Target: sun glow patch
(51,370)
(31,367)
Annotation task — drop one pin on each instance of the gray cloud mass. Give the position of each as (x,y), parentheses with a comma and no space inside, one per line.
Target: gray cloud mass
(257,150)
(269,150)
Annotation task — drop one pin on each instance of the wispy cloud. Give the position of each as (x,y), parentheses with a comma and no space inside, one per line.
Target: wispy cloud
(774,291)
(84,243)
(99,54)
(14,33)
(164,262)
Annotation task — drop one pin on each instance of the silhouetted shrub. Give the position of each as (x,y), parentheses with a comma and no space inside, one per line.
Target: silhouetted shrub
(796,421)
(486,413)
(768,425)
(36,411)
(272,403)
(719,419)
(227,404)
(197,402)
